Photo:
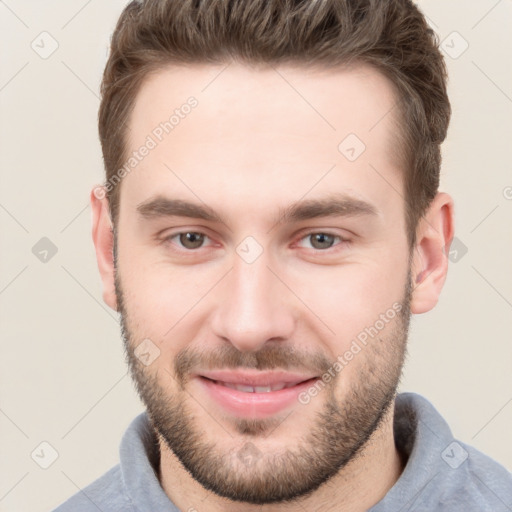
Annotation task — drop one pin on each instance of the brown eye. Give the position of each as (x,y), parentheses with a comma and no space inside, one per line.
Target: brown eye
(191,240)
(188,239)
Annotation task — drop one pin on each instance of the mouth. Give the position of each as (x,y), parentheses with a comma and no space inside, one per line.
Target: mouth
(255,389)
(254,394)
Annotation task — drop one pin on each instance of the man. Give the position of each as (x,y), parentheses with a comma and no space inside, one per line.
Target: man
(269,222)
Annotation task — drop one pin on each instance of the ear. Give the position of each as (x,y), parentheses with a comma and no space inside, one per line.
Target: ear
(103,238)
(434,235)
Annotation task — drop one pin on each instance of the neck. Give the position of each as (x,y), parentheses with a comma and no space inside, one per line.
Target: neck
(362,483)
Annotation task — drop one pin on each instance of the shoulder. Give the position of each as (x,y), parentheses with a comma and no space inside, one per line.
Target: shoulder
(107,494)
(475,479)
(443,473)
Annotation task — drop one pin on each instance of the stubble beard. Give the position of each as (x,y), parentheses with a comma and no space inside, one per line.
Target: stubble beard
(339,431)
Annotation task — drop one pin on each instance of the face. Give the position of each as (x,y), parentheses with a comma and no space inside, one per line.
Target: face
(263,272)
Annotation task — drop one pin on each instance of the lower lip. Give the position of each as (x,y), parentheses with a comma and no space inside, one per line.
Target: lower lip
(254,405)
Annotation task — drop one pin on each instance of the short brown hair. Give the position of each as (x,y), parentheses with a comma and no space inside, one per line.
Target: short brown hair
(391,35)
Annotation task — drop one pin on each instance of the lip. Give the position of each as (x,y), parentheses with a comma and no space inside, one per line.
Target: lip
(256,377)
(254,404)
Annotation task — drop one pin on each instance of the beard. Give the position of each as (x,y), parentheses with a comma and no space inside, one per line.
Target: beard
(337,436)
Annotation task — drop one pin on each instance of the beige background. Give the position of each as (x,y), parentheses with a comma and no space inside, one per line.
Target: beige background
(62,374)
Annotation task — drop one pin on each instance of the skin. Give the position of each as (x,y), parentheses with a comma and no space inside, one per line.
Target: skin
(254,145)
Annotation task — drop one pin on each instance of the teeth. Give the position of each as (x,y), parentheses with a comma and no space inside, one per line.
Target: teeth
(262,389)
(246,389)
(255,389)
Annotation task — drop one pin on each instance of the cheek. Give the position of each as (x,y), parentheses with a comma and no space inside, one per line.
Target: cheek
(160,299)
(350,298)
(363,307)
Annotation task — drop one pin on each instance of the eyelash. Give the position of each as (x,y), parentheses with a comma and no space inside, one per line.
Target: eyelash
(343,241)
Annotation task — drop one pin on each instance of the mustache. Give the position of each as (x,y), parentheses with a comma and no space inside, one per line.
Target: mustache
(269,357)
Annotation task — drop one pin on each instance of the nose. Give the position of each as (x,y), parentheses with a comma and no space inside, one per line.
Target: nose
(254,306)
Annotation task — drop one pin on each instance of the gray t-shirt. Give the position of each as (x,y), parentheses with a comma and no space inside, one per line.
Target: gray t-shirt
(441,474)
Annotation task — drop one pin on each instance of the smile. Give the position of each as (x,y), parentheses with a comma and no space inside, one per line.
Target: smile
(255,389)
(253,394)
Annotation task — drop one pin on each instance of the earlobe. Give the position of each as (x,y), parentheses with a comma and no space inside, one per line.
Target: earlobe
(430,262)
(103,238)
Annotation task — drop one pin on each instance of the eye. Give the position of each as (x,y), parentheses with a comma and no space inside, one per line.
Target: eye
(191,240)
(322,241)
(188,239)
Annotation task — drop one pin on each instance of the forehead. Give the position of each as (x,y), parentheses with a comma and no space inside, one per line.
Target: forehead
(332,101)
(255,129)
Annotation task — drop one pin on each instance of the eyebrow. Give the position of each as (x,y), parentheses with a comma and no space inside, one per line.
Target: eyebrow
(167,207)
(334,205)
